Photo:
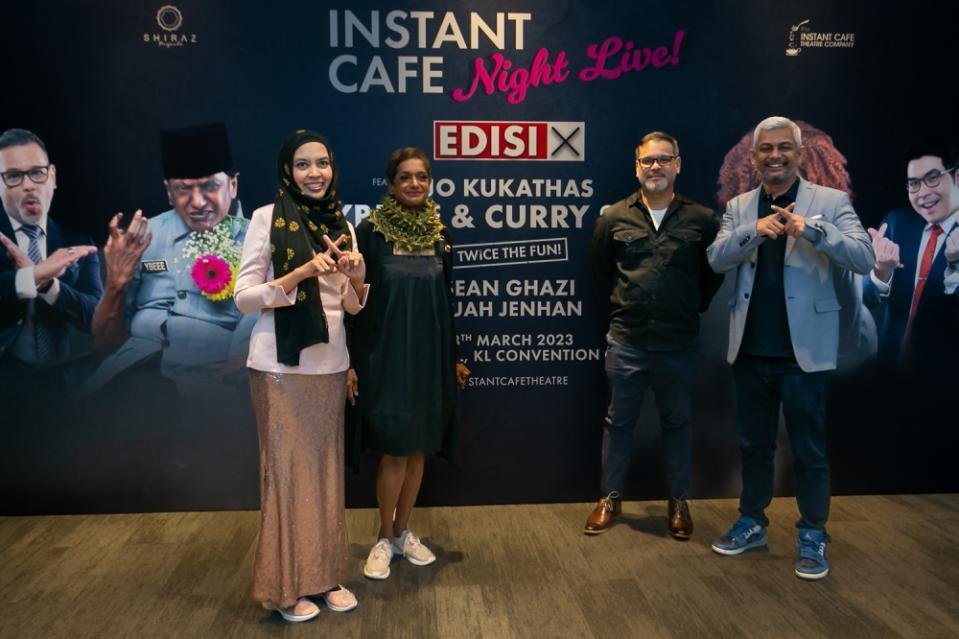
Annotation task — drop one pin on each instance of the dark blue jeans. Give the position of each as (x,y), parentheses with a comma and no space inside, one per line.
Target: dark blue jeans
(631,371)
(761,386)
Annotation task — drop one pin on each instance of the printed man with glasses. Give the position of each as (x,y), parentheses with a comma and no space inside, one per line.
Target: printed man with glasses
(915,276)
(649,260)
(49,276)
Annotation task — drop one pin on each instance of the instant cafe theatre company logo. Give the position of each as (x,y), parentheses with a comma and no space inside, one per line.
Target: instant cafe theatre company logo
(802,37)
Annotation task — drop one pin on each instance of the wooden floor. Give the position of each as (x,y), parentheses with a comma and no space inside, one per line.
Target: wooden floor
(503,571)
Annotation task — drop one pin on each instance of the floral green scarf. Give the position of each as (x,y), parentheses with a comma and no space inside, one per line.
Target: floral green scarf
(409,229)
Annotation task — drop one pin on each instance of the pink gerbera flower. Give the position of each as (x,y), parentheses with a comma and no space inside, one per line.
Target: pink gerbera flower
(213,276)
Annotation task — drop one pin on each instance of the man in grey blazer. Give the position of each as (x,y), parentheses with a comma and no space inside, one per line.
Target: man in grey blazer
(783,239)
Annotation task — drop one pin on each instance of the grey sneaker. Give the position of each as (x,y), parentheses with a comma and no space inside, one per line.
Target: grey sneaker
(378,563)
(408,545)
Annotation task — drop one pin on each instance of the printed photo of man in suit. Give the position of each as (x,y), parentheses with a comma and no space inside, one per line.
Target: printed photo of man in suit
(49,277)
(783,240)
(913,281)
(49,288)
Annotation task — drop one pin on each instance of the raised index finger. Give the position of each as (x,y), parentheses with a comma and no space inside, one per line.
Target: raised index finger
(114,225)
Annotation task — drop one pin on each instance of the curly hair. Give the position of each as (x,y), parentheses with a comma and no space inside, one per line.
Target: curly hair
(822,164)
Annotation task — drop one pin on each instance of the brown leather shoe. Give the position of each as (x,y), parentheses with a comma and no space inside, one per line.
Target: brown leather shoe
(607,509)
(679,519)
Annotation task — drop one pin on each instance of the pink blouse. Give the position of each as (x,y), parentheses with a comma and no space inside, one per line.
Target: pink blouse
(253,292)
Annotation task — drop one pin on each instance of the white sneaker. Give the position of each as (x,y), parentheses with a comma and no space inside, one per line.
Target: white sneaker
(408,545)
(378,563)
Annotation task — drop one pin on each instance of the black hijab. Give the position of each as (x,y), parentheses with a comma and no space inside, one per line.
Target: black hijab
(296,234)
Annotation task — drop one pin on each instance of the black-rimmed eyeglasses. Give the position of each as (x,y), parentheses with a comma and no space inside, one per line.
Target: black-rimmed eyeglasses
(662,160)
(37,175)
(930,179)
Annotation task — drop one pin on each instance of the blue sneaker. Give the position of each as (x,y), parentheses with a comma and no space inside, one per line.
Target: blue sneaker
(812,562)
(746,533)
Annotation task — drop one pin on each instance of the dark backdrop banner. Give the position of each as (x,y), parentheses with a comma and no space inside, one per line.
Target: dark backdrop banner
(530,111)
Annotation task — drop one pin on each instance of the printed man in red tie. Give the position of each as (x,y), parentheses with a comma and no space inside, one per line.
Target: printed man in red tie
(913,280)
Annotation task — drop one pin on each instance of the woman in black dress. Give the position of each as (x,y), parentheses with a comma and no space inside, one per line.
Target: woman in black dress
(404,351)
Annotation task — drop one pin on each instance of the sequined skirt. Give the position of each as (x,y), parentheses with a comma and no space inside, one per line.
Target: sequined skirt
(302,547)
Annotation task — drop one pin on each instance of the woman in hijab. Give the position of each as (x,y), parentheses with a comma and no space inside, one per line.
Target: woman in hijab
(300,271)
(405,354)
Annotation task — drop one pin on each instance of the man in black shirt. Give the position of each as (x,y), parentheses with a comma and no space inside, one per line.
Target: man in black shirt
(649,259)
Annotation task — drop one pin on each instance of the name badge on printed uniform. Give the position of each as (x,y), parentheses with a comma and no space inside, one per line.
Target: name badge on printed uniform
(154,266)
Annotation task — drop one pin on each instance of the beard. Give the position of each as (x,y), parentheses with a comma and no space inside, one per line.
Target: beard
(657,185)
(781,178)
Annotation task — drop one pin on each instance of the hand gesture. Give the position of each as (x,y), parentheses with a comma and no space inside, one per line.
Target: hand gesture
(352,386)
(58,262)
(462,373)
(887,253)
(323,262)
(349,263)
(795,223)
(951,248)
(18,257)
(774,224)
(124,249)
